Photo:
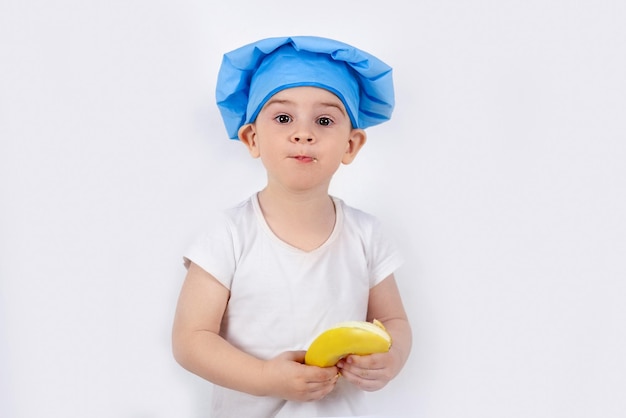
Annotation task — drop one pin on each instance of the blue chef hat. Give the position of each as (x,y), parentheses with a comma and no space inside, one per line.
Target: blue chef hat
(250,75)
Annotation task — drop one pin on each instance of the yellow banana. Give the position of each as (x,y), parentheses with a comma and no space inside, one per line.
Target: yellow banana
(351,337)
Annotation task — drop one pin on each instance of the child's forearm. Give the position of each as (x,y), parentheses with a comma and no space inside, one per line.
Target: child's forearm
(401,341)
(209,356)
(385,304)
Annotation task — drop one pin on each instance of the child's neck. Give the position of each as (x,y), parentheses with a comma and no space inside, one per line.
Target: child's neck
(303,220)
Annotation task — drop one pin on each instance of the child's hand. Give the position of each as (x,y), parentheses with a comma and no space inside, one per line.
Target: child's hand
(370,372)
(288,378)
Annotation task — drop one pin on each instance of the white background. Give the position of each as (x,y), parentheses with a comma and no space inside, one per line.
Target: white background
(501,173)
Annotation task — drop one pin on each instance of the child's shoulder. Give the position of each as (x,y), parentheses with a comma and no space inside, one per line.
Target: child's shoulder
(241,207)
(354,215)
(239,213)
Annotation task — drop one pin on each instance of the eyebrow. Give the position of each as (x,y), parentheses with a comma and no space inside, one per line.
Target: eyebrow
(324,104)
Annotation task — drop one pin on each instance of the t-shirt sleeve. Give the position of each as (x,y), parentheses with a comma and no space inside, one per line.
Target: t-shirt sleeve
(383,255)
(213,250)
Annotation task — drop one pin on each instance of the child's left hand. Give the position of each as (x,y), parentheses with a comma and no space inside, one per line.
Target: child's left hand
(371,372)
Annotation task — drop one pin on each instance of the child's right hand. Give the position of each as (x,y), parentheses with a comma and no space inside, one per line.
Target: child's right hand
(289,378)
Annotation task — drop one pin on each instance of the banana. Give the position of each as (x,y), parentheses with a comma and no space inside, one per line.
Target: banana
(351,337)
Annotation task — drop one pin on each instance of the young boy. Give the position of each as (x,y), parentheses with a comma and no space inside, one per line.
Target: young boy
(292,261)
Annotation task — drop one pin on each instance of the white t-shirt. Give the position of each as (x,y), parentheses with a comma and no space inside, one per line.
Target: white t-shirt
(281,297)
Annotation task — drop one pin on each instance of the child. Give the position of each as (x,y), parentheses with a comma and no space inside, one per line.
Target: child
(292,261)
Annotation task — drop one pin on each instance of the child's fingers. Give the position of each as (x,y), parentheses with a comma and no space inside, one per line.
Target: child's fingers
(372,361)
(367,372)
(367,380)
(318,390)
(322,375)
(297,356)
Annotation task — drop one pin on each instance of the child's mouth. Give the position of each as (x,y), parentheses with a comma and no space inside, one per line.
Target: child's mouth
(305,159)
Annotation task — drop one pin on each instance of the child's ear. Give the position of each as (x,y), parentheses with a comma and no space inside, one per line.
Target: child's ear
(358,137)
(247,135)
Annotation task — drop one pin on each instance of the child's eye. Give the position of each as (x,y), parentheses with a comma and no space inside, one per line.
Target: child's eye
(283,118)
(324,121)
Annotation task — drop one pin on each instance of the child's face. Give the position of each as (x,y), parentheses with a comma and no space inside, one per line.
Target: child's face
(302,135)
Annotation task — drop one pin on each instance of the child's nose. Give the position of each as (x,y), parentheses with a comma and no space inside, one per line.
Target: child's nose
(302,139)
(303,134)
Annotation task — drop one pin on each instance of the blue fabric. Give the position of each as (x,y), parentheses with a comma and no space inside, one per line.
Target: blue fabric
(250,75)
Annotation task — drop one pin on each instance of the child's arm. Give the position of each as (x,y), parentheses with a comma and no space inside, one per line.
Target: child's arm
(375,371)
(199,348)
